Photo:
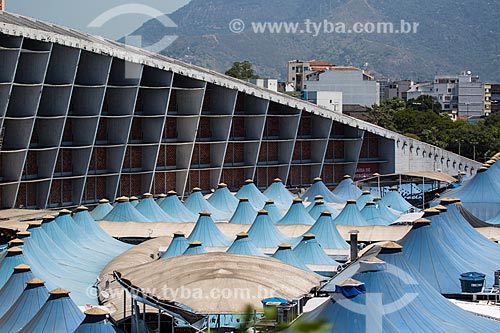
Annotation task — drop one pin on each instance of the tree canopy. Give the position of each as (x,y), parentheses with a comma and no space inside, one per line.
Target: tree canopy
(423,119)
(242,70)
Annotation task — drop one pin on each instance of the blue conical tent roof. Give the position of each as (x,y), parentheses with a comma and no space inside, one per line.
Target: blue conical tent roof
(207,232)
(72,249)
(243,245)
(363,199)
(350,215)
(481,194)
(297,214)
(223,199)
(263,233)
(96,321)
(347,189)
(390,282)
(395,201)
(196,203)
(319,188)
(124,211)
(134,201)
(275,214)
(59,314)
(285,254)
(372,214)
(150,209)
(96,234)
(13,258)
(14,287)
(448,251)
(279,194)
(58,267)
(387,213)
(249,190)
(25,307)
(319,206)
(245,213)
(326,232)
(311,252)
(103,209)
(161,198)
(176,209)
(195,247)
(409,304)
(317,198)
(178,245)
(74,232)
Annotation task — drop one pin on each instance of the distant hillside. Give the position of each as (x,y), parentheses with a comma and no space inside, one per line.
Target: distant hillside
(452,36)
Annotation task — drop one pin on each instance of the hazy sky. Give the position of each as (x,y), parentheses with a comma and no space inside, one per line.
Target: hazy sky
(78,14)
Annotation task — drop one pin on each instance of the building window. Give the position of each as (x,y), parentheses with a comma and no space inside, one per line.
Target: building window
(449,90)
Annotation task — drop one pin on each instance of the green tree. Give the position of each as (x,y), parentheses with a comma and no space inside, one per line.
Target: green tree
(242,70)
(425,103)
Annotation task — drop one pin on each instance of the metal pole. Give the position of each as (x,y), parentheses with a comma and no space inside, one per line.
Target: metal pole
(423,193)
(159,321)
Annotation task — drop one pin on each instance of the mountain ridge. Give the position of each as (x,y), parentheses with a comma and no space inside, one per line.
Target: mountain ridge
(452,36)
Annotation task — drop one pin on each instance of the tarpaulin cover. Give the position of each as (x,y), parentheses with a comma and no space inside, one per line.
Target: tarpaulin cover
(351,291)
(279,194)
(207,232)
(176,209)
(224,200)
(297,214)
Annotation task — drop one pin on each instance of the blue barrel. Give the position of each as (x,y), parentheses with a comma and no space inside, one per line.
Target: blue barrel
(472,282)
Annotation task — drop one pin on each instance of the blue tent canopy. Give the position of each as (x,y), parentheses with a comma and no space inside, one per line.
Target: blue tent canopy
(245,213)
(346,190)
(178,245)
(274,212)
(74,232)
(326,232)
(441,256)
(279,194)
(68,245)
(386,213)
(134,201)
(481,194)
(124,211)
(311,253)
(14,287)
(319,188)
(320,206)
(243,245)
(350,215)
(275,300)
(195,247)
(223,199)
(395,201)
(363,199)
(263,233)
(174,207)
(196,203)
(249,190)
(96,321)
(373,216)
(150,209)
(207,232)
(25,307)
(59,314)
(96,234)
(160,198)
(285,254)
(350,288)
(103,209)
(297,214)
(49,262)
(428,298)
(13,258)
